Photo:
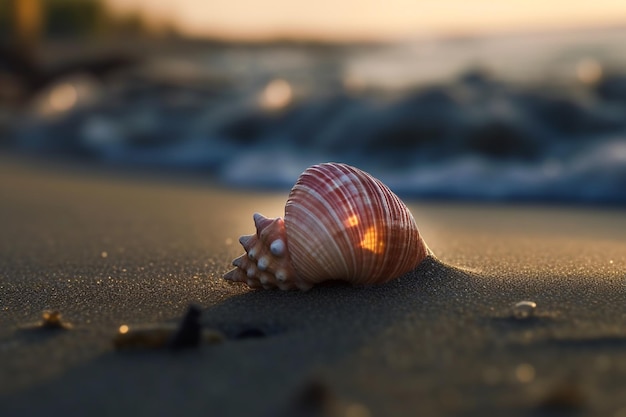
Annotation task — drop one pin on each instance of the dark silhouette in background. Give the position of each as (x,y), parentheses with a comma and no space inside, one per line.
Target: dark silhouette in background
(27,23)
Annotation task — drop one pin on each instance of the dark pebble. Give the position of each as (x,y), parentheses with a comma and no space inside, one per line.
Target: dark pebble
(188,333)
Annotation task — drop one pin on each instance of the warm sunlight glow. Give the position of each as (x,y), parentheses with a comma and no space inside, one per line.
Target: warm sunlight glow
(27,15)
(373,241)
(63,97)
(277,95)
(372,19)
(589,71)
(123,329)
(352,221)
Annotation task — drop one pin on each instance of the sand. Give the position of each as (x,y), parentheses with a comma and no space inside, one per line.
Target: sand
(112,249)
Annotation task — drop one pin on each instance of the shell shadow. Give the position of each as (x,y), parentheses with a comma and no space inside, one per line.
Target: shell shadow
(335,306)
(307,333)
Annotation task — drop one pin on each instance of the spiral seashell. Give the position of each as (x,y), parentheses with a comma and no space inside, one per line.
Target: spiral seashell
(340,224)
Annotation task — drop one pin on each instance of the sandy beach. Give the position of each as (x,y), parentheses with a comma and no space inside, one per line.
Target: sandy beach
(107,250)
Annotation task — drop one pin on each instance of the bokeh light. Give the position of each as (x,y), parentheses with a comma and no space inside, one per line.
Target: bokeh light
(589,71)
(63,97)
(277,94)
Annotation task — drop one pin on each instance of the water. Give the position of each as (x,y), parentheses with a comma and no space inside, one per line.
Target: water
(523,118)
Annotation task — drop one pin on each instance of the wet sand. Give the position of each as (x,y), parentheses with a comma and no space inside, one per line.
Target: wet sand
(107,250)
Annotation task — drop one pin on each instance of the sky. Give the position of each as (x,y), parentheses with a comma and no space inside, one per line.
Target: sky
(374,19)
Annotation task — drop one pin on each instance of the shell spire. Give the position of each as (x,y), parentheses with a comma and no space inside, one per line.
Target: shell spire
(266,263)
(340,224)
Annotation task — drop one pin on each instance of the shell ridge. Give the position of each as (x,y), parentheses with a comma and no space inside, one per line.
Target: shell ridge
(412,253)
(370,210)
(304,258)
(351,233)
(354,191)
(391,211)
(307,188)
(403,225)
(306,233)
(365,201)
(396,258)
(353,194)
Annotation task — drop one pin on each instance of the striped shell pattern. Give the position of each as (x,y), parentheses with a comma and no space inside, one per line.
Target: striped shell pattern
(340,224)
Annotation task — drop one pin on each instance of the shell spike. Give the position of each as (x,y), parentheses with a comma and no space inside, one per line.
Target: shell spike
(260,221)
(239,262)
(235,275)
(247,240)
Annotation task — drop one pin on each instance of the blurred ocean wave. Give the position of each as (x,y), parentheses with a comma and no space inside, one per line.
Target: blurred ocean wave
(524,117)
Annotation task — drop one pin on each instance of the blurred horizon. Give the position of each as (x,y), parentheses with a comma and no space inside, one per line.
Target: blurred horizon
(325,21)
(506,101)
(357,20)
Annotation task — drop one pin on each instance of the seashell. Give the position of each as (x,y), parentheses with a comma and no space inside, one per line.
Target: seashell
(340,224)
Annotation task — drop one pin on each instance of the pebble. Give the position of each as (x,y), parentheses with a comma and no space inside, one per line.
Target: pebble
(52,319)
(524,310)
(189,331)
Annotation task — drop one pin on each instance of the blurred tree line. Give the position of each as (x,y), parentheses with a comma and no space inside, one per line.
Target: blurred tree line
(65,18)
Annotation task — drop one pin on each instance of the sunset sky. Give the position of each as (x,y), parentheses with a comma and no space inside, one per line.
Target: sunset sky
(373,19)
